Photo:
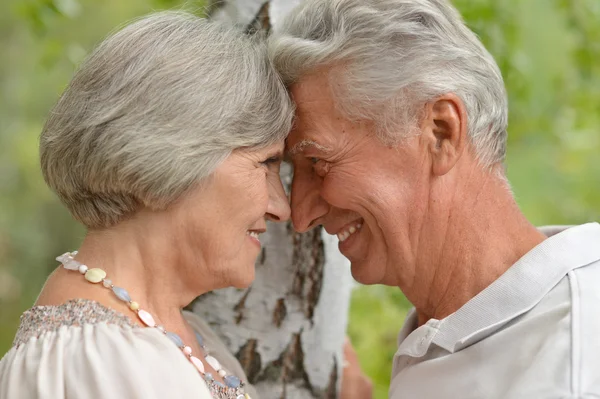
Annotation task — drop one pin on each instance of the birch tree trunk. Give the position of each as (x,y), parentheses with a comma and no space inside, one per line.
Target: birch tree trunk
(288,328)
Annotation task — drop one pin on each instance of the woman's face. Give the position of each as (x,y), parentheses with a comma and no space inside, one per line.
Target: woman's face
(220,222)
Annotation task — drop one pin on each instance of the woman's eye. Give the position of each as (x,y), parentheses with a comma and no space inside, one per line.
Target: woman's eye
(314,160)
(271,161)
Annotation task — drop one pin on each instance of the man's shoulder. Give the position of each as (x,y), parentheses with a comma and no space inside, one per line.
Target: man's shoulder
(584,286)
(579,285)
(576,296)
(580,289)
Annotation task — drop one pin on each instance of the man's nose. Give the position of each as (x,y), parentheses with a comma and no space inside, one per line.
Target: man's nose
(307,205)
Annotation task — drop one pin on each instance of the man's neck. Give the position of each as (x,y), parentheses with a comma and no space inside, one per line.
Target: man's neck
(483,236)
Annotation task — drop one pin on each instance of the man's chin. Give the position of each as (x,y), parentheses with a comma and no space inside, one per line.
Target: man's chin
(364,274)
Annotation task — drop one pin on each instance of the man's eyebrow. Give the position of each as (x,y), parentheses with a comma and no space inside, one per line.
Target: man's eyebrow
(301,146)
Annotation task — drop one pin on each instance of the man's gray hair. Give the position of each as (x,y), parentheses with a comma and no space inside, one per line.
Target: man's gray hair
(154,110)
(389,58)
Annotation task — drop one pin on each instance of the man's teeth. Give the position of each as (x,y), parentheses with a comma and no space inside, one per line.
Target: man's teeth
(344,234)
(253,234)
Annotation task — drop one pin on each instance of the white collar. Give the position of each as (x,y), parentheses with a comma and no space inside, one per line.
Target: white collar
(515,292)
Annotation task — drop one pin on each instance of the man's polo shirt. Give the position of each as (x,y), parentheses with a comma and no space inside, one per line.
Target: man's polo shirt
(534,333)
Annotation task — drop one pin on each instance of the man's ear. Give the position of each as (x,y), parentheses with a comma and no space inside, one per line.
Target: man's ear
(444,126)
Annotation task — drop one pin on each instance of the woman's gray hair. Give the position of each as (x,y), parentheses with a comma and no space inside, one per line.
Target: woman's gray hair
(390,57)
(154,110)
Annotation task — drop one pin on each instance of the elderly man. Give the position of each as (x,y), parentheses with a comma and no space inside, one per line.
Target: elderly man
(398,148)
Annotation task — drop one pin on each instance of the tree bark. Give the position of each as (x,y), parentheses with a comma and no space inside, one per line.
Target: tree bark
(287,330)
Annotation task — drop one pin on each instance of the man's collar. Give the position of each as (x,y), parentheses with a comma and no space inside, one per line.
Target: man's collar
(517,291)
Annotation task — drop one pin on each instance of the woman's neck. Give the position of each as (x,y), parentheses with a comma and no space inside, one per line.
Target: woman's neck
(149,266)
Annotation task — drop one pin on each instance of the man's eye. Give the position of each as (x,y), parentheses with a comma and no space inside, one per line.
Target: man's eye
(320,166)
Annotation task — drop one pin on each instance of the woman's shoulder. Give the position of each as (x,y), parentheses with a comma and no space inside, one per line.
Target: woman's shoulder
(81,349)
(41,320)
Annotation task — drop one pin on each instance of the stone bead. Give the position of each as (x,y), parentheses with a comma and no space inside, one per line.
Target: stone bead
(232,381)
(64,257)
(200,339)
(247,396)
(71,264)
(95,275)
(220,384)
(146,318)
(122,294)
(187,350)
(222,373)
(198,363)
(107,283)
(175,338)
(214,363)
(161,329)
(83,269)
(134,305)
(240,397)
(209,376)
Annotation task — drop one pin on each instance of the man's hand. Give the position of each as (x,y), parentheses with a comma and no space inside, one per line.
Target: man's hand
(355,384)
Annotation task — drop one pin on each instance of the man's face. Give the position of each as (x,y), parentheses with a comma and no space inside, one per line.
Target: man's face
(369,194)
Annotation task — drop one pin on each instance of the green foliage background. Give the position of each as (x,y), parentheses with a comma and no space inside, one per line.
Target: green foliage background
(548,50)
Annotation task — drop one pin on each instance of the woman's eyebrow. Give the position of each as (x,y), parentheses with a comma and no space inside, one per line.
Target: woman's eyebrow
(278,154)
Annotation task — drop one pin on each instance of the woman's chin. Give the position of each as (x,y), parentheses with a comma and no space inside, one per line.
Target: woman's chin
(244,279)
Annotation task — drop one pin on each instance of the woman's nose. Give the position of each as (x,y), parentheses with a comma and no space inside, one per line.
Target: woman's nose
(278,209)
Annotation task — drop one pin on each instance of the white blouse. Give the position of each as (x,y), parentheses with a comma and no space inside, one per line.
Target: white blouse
(84,350)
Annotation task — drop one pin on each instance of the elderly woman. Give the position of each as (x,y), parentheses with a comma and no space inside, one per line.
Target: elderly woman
(399,148)
(166,145)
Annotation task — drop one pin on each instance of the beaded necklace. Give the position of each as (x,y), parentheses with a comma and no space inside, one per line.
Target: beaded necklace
(233,387)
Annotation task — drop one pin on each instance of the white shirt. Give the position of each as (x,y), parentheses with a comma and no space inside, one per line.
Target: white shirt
(534,333)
